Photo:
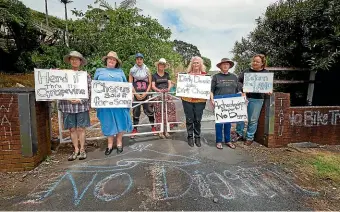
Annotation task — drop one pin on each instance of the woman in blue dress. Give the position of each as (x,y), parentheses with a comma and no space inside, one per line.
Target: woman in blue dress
(114,121)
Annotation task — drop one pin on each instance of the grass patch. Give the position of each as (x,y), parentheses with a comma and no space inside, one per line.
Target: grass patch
(327,166)
(10,80)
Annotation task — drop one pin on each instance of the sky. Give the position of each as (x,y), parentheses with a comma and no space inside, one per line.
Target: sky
(211,25)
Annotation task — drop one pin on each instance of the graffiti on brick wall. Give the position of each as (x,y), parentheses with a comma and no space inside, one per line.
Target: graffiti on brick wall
(314,118)
(281,117)
(5,124)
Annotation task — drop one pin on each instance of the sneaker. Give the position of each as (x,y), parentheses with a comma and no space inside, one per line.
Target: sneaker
(73,156)
(134,131)
(82,155)
(153,129)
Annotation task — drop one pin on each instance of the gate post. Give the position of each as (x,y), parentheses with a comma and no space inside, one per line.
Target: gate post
(25,138)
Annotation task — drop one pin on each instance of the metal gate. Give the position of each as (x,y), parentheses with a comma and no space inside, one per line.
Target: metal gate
(96,127)
(207,120)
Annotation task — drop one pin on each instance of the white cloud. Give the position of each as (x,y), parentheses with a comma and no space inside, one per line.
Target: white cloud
(213,26)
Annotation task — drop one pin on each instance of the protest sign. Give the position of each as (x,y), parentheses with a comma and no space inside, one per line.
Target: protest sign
(230,108)
(60,84)
(258,82)
(106,94)
(193,86)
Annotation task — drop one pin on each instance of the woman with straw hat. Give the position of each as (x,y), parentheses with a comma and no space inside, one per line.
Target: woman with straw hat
(114,121)
(161,83)
(76,112)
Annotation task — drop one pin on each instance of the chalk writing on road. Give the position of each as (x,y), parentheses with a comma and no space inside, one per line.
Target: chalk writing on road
(113,182)
(6,126)
(60,84)
(314,118)
(106,94)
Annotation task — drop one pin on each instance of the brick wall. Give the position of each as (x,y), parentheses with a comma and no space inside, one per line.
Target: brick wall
(298,124)
(11,158)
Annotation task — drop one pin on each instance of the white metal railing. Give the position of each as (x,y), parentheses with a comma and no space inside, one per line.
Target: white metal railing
(95,128)
(168,124)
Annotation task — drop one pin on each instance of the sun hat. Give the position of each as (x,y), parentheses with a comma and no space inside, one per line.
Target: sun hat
(162,61)
(226,60)
(77,55)
(113,54)
(139,55)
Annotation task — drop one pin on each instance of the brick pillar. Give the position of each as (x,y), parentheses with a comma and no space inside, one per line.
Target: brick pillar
(24,130)
(274,121)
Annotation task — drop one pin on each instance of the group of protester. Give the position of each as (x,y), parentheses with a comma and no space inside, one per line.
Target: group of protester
(117,121)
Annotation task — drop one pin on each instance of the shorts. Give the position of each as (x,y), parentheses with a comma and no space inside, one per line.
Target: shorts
(74,120)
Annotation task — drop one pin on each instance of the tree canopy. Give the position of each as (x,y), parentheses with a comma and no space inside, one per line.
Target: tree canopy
(99,30)
(296,33)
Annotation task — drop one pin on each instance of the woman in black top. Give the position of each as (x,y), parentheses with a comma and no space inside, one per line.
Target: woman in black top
(161,83)
(255,102)
(224,83)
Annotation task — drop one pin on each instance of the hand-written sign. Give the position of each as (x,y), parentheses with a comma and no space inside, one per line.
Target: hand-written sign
(60,84)
(108,94)
(194,86)
(258,82)
(229,108)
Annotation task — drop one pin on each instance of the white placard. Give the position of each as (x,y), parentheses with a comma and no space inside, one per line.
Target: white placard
(232,109)
(258,82)
(108,94)
(193,86)
(60,84)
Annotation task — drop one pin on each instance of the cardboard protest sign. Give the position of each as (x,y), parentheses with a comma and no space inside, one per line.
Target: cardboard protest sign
(108,94)
(193,86)
(230,108)
(60,84)
(258,82)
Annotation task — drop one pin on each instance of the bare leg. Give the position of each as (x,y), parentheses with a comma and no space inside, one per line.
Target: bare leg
(81,136)
(110,142)
(120,139)
(74,138)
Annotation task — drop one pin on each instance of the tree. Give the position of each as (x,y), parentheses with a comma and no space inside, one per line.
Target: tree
(295,33)
(126,4)
(187,50)
(207,63)
(125,31)
(21,39)
(46,12)
(65,2)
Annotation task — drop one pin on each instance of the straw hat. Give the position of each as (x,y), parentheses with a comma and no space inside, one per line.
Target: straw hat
(113,54)
(77,55)
(225,60)
(162,61)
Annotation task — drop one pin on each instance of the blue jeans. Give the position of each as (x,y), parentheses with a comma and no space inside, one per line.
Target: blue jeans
(253,110)
(218,131)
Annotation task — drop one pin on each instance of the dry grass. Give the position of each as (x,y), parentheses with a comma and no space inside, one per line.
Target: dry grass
(10,80)
(317,169)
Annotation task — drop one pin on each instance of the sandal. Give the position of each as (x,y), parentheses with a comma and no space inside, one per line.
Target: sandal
(231,145)
(167,135)
(219,146)
(161,135)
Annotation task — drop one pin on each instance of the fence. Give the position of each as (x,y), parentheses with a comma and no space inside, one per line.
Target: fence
(156,97)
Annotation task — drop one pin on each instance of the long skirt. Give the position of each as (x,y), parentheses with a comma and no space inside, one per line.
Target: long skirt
(171,111)
(114,120)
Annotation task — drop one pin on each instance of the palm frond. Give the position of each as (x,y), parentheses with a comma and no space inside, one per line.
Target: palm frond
(128,4)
